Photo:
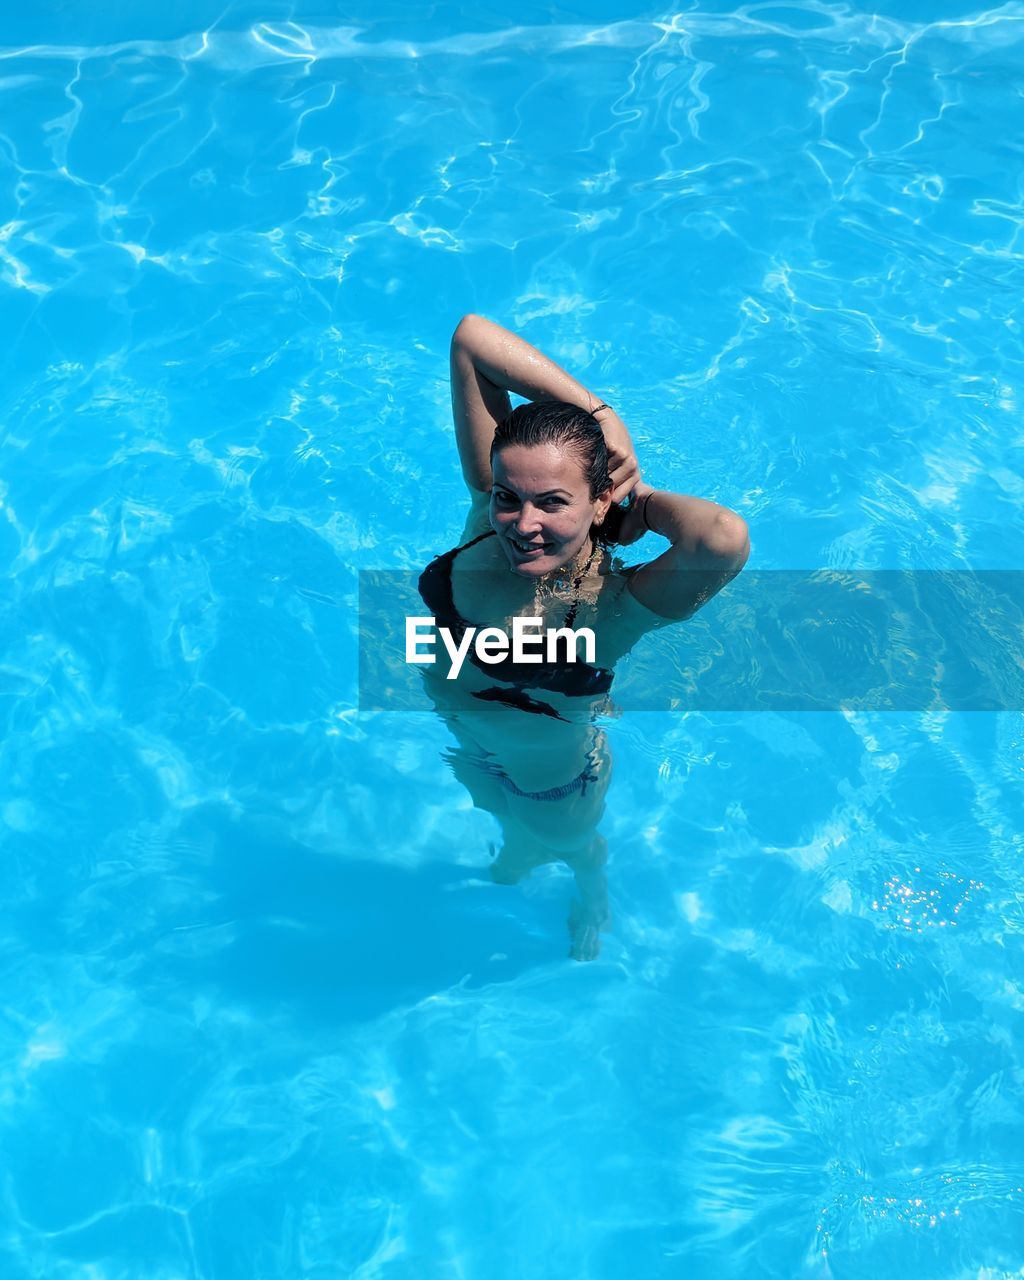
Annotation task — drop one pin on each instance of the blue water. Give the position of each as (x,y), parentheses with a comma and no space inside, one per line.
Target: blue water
(265,1015)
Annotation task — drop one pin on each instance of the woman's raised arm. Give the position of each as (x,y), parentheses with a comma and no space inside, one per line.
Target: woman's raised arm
(710,545)
(487,362)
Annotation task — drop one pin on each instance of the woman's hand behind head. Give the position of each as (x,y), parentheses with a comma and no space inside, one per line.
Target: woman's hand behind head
(622,462)
(633,527)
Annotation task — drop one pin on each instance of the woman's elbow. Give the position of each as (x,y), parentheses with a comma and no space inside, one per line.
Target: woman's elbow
(465,329)
(728,538)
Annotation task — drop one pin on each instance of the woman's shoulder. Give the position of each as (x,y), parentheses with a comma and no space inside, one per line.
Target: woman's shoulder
(617,575)
(623,618)
(474,553)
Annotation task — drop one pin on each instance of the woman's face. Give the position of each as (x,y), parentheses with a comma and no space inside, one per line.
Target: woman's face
(541,508)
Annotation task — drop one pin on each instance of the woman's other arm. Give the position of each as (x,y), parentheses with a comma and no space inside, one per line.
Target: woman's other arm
(710,545)
(487,362)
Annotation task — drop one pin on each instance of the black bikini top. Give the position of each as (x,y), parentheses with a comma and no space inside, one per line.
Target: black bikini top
(574,679)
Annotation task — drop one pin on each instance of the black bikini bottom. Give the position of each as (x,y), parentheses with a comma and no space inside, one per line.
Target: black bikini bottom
(579,783)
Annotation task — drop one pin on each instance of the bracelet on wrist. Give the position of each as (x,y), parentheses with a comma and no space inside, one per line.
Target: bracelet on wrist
(643,513)
(595,412)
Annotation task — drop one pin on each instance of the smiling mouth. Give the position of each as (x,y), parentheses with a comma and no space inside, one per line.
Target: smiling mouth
(528,548)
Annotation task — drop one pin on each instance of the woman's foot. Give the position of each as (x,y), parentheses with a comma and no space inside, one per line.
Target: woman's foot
(589,914)
(585,925)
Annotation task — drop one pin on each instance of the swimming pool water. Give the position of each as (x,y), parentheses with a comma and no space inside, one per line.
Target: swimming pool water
(264,1012)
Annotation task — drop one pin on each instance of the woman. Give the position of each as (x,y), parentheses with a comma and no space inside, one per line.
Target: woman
(543,482)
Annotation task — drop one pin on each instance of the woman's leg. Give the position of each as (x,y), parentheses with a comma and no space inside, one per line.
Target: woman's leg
(589,913)
(536,830)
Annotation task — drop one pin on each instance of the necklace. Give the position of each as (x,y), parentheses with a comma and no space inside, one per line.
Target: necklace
(574,590)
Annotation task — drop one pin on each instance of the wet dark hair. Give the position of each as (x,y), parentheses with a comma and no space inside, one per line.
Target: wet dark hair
(565,425)
(573,429)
